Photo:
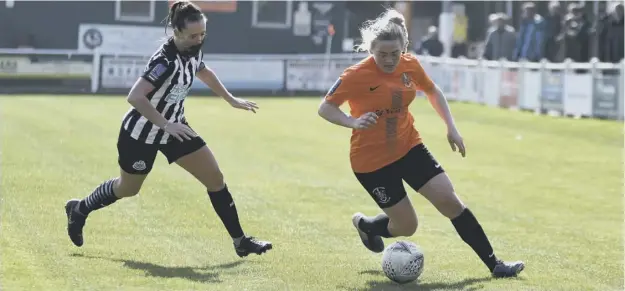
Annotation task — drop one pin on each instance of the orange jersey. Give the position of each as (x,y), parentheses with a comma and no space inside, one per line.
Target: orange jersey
(368,89)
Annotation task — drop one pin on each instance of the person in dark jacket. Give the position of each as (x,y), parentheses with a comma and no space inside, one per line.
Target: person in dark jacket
(553,28)
(576,35)
(610,35)
(430,44)
(501,40)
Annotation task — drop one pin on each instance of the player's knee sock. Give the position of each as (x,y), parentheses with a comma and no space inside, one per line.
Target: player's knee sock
(101,197)
(226,210)
(472,233)
(376,226)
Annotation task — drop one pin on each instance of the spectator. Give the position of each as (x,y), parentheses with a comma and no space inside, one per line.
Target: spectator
(576,35)
(430,44)
(529,45)
(492,18)
(610,35)
(500,40)
(553,29)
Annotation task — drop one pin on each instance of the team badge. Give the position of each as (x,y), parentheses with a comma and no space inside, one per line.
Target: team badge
(380,195)
(406,80)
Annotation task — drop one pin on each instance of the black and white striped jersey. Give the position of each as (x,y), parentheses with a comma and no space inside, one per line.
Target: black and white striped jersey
(172,74)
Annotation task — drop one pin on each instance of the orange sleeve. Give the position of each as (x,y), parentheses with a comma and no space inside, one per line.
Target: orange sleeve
(342,90)
(420,77)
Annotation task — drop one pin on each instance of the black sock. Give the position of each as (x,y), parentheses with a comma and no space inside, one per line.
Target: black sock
(101,197)
(227,211)
(376,226)
(472,233)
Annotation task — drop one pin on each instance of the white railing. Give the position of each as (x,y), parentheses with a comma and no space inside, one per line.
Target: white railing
(591,89)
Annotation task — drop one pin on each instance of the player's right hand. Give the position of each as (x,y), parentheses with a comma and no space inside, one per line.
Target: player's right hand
(179,131)
(365,121)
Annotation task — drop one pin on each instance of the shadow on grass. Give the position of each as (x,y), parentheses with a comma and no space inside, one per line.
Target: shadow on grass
(207,274)
(387,285)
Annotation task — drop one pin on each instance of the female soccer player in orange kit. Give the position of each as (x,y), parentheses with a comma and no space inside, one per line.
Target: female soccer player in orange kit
(386,149)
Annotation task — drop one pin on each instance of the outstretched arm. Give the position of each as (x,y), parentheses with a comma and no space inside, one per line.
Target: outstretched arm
(208,77)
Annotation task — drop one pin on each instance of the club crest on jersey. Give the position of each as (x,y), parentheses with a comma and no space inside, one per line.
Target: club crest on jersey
(157,72)
(406,80)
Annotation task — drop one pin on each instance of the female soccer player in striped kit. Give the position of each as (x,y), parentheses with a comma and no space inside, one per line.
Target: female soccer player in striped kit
(156,122)
(386,149)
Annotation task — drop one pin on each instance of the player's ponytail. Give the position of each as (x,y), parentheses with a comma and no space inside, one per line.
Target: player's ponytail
(180,12)
(399,20)
(391,25)
(170,15)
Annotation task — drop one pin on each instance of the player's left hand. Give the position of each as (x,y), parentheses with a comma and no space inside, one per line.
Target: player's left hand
(243,104)
(455,140)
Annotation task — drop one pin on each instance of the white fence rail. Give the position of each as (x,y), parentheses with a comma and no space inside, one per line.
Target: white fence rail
(574,89)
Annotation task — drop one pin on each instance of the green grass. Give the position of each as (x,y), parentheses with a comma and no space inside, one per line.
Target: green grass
(547,191)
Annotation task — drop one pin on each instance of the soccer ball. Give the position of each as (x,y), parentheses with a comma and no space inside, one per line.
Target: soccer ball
(402,262)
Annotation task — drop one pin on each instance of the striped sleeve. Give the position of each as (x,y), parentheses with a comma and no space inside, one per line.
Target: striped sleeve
(157,71)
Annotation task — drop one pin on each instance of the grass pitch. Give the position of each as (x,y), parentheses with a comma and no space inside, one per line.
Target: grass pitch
(547,191)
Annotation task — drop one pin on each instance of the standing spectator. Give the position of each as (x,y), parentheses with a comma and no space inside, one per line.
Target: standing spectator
(492,19)
(430,44)
(610,35)
(576,35)
(529,45)
(553,28)
(501,39)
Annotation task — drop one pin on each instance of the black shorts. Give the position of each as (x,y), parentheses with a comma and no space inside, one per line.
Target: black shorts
(386,186)
(137,157)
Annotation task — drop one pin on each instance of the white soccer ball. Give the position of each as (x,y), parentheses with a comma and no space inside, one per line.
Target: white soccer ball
(402,262)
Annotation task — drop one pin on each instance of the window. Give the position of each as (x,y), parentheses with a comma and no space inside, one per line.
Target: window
(135,11)
(272,14)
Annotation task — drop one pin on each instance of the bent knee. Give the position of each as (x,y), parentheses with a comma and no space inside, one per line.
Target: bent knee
(451,207)
(214,182)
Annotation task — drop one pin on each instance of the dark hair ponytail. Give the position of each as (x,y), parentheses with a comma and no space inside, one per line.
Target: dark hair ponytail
(180,12)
